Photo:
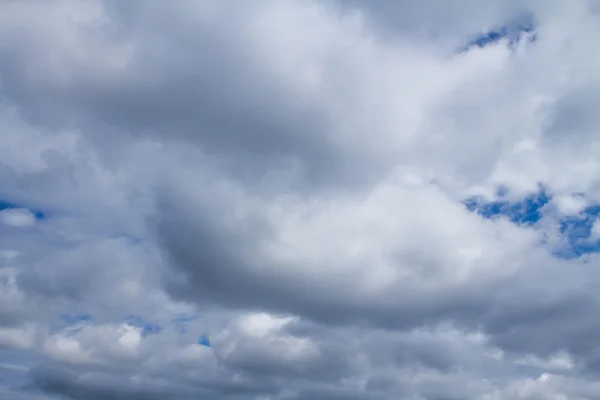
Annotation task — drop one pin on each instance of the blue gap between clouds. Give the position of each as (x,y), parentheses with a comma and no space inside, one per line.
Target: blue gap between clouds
(529,211)
(577,228)
(203,340)
(523,28)
(180,323)
(148,328)
(67,320)
(7,205)
(74,319)
(151,328)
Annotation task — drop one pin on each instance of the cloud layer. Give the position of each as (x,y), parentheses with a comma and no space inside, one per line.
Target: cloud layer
(299,200)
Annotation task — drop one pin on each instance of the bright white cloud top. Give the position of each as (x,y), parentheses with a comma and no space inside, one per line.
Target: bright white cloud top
(293,200)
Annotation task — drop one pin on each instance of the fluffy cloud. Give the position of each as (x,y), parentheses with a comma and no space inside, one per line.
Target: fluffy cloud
(299,200)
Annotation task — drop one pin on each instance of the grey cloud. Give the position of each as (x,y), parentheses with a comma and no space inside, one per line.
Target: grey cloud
(194,79)
(306,161)
(217,264)
(386,361)
(73,387)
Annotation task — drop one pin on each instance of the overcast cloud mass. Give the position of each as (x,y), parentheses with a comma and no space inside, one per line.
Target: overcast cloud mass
(299,200)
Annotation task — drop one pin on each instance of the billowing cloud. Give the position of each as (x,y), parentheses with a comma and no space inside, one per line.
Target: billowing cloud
(299,200)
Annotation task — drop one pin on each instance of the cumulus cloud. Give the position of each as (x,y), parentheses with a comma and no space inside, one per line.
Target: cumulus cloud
(299,200)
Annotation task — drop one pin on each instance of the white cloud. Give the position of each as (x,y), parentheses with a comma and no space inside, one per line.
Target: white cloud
(17,217)
(17,337)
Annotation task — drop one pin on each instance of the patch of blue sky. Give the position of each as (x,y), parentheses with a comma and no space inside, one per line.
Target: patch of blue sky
(148,328)
(526,211)
(204,340)
(576,230)
(514,32)
(75,322)
(7,205)
(76,318)
(180,322)
(72,321)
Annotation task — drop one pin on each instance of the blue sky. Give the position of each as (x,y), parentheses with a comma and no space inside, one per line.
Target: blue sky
(530,210)
(512,33)
(6,205)
(577,229)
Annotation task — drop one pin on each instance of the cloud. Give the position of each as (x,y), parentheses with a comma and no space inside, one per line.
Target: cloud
(17,217)
(299,200)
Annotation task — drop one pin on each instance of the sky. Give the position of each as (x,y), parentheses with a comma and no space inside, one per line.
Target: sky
(299,200)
